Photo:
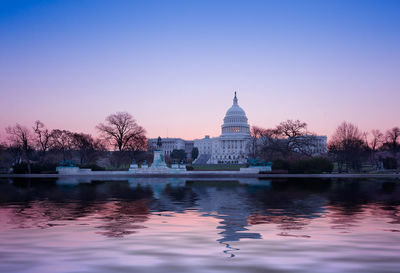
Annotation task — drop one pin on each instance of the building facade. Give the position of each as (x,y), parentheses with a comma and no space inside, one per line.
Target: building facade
(315,145)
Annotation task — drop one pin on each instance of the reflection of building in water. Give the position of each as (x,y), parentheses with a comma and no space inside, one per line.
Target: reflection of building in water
(175,198)
(228,202)
(235,203)
(126,204)
(224,200)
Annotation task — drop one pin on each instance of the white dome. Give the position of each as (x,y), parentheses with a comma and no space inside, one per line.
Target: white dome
(235,121)
(235,110)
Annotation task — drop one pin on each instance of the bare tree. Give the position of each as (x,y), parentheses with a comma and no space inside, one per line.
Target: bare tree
(375,143)
(296,137)
(139,144)
(122,132)
(271,146)
(4,163)
(20,137)
(377,140)
(393,140)
(43,137)
(347,145)
(87,146)
(290,139)
(257,134)
(292,128)
(62,140)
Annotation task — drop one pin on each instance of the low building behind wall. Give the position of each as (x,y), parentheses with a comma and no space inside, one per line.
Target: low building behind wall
(317,145)
(170,144)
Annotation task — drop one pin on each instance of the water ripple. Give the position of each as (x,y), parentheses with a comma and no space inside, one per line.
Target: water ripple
(177,226)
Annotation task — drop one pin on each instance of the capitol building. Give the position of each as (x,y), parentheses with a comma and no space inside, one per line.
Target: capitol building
(231,147)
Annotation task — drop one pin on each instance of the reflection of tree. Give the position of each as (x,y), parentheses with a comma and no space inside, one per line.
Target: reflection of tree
(391,208)
(123,218)
(392,213)
(348,201)
(43,204)
(39,214)
(284,222)
(291,205)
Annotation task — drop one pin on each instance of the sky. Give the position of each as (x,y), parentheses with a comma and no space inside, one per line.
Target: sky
(174,65)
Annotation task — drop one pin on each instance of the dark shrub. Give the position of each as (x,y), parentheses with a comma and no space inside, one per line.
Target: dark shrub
(44,168)
(20,168)
(195,153)
(280,165)
(35,168)
(389,163)
(179,155)
(189,168)
(313,165)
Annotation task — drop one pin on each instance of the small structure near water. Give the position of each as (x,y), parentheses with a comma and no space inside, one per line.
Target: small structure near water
(158,166)
(257,166)
(69,167)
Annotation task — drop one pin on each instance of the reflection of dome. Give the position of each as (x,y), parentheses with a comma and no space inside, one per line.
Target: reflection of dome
(235,121)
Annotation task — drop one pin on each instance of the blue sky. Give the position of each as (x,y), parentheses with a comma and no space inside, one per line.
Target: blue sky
(174,65)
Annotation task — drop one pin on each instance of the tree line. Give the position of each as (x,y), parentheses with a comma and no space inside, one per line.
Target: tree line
(120,139)
(349,147)
(289,140)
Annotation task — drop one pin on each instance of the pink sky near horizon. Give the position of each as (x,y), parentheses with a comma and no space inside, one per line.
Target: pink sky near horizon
(205,118)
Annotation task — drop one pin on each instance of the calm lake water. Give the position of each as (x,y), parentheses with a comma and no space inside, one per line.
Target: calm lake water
(186,225)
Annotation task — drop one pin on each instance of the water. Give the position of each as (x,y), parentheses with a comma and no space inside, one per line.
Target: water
(183,225)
